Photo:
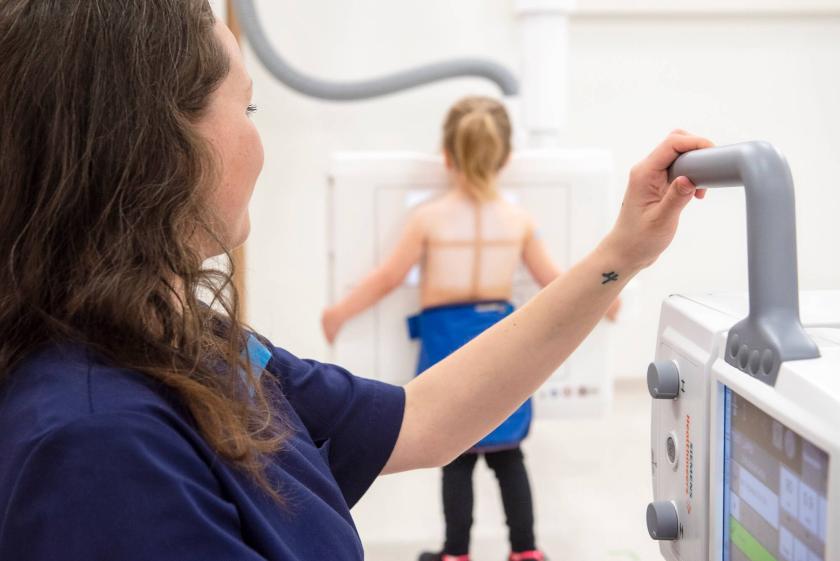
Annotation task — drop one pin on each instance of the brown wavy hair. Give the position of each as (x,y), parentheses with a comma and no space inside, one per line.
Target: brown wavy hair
(104,183)
(477,137)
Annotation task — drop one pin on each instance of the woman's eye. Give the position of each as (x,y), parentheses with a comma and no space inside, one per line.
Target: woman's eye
(252,108)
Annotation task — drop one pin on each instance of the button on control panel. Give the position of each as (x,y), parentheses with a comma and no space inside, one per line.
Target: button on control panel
(663,521)
(663,379)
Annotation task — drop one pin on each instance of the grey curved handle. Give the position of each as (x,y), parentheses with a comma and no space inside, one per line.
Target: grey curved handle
(772,333)
(366,89)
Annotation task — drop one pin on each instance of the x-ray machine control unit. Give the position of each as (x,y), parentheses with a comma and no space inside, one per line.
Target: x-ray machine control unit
(745,427)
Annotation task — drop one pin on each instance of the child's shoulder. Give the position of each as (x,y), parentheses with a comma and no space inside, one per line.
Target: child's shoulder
(513,208)
(433,206)
(437,200)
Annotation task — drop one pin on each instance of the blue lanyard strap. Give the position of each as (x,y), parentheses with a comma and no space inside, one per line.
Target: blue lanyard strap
(259,355)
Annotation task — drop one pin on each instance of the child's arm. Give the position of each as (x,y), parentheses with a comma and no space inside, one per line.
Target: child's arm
(544,270)
(537,259)
(459,400)
(379,282)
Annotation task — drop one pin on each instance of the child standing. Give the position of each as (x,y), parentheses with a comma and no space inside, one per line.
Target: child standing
(469,242)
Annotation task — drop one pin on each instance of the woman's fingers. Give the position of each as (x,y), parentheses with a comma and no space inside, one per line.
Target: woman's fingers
(328,328)
(675,144)
(676,197)
(652,206)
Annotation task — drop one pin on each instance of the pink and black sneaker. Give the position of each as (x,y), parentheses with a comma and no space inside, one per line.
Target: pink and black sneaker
(427,556)
(533,555)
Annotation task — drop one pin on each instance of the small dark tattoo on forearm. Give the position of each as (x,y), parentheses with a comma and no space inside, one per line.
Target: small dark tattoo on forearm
(609,277)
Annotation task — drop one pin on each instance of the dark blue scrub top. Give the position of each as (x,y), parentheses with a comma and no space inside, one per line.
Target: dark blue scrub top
(101,464)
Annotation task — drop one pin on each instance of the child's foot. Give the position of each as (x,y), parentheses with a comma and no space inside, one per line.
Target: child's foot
(533,555)
(427,556)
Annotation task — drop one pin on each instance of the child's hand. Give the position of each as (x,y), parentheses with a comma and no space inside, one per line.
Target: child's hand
(331,322)
(612,311)
(651,208)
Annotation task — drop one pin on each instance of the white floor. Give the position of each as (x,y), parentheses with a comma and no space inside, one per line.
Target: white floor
(591,485)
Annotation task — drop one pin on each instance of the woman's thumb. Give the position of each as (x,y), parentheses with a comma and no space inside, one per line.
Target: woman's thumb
(679,194)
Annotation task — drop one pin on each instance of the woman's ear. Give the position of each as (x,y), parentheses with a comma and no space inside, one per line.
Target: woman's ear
(447,158)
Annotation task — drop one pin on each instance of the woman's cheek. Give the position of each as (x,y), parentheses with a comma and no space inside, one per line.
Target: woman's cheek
(255,150)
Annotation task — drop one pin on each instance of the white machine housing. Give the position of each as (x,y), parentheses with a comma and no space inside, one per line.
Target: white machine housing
(805,400)
(371,193)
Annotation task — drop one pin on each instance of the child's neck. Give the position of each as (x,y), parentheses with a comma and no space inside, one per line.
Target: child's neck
(464,190)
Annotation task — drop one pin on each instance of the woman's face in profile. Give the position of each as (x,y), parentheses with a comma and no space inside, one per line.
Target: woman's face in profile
(228,127)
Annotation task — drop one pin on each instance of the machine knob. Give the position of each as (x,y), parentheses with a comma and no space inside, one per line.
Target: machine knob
(663,379)
(662,521)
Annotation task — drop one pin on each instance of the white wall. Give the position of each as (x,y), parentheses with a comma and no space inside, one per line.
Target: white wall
(219,8)
(731,71)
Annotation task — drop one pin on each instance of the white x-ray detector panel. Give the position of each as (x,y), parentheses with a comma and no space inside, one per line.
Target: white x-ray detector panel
(370,197)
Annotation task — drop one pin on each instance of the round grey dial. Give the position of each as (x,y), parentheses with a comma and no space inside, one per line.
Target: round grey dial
(662,521)
(663,379)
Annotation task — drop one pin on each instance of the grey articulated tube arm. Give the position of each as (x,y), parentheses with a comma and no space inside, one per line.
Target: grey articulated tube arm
(366,89)
(772,333)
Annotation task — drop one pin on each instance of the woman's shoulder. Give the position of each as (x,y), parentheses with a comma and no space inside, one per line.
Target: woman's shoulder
(95,451)
(62,410)
(60,385)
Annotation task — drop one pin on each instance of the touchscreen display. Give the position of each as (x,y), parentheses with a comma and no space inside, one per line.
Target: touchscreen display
(775,488)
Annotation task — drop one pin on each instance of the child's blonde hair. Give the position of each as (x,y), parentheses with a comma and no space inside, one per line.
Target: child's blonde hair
(476,135)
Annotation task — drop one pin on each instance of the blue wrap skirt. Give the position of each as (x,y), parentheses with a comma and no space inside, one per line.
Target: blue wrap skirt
(444,329)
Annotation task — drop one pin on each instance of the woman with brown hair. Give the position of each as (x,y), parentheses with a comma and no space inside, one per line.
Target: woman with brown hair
(138,422)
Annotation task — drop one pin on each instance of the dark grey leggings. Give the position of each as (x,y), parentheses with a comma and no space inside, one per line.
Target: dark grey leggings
(509,467)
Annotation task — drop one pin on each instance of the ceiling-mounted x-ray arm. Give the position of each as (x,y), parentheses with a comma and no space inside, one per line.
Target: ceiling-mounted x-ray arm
(365,89)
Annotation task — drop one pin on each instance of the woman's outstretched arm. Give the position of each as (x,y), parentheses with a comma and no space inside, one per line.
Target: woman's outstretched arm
(544,270)
(464,397)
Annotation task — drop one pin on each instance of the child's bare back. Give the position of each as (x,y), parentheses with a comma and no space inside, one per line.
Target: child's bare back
(471,248)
